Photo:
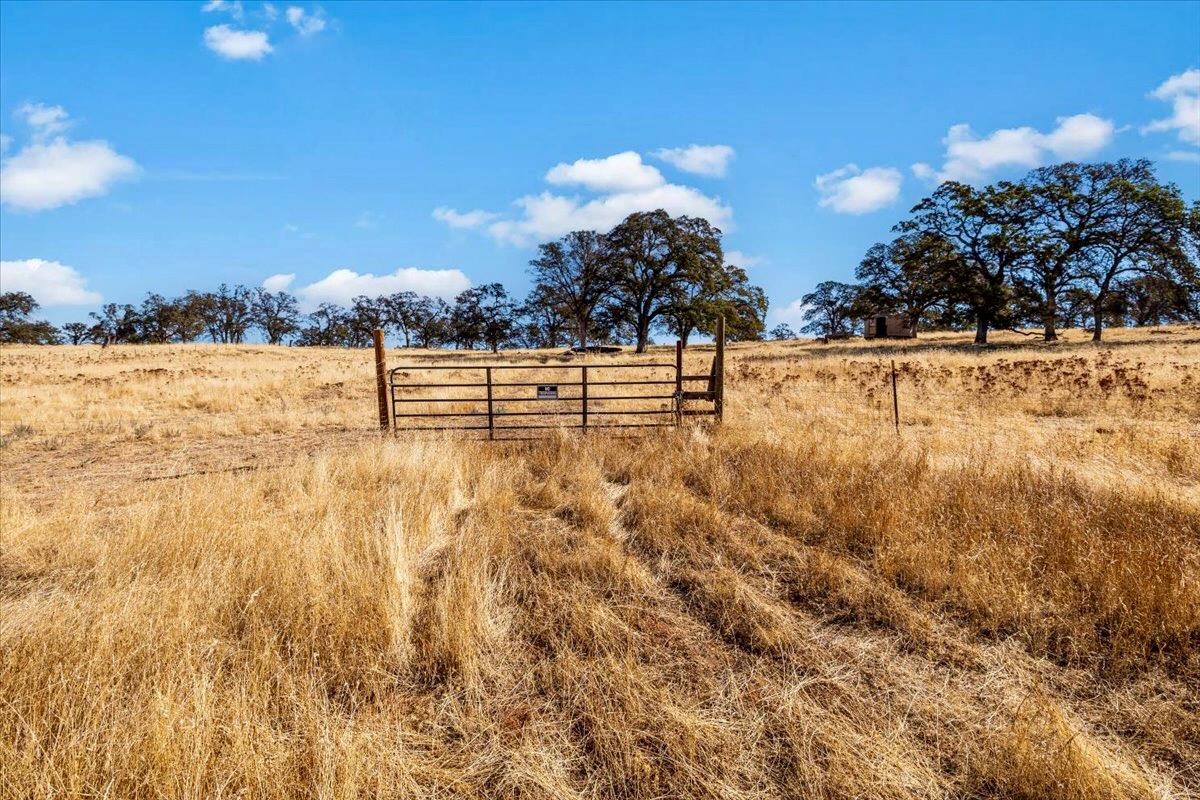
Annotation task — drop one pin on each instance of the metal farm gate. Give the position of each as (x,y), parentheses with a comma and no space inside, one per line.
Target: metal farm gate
(506,401)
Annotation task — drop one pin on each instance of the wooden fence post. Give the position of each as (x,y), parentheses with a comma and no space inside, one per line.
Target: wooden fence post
(719,367)
(381,380)
(583,386)
(678,381)
(491,419)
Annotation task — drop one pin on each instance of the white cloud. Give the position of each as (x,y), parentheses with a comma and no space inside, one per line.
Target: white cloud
(295,230)
(304,22)
(5,142)
(463,219)
(739,259)
(620,172)
(1182,91)
(923,171)
(367,220)
(235,44)
(971,158)
(342,285)
(50,283)
(232,7)
(792,314)
(547,215)
(279,282)
(622,183)
(850,190)
(270,11)
(43,119)
(1079,136)
(1186,82)
(50,172)
(1184,155)
(712,160)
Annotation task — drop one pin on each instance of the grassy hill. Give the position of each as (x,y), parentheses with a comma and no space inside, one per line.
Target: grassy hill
(217,580)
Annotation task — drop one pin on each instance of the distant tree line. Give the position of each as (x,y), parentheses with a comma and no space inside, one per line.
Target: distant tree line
(1070,245)
(651,273)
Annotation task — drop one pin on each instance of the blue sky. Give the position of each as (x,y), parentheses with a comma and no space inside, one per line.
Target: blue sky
(166,146)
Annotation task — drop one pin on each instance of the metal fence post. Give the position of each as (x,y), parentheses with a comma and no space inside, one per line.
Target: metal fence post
(380,380)
(895,399)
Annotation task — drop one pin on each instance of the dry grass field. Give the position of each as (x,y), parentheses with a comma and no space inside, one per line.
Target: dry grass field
(217,580)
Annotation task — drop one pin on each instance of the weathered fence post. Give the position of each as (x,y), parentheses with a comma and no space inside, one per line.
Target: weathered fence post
(583,387)
(719,368)
(895,399)
(491,419)
(381,380)
(678,381)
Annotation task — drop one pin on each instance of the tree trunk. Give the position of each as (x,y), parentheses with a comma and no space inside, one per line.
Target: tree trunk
(643,335)
(1098,317)
(1049,312)
(911,318)
(684,333)
(982,324)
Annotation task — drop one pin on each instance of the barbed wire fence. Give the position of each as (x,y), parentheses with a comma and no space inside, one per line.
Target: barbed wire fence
(902,398)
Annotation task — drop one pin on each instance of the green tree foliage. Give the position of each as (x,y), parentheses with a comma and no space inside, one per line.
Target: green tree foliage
(1147,235)
(15,325)
(988,232)
(1149,299)
(660,264)
(542,322)
(701,280)
(908,276)
(115,323)
(781,332)
(652,272)
(156,320)
(402,313)
(431,322)
(1071,209)
(77,332)
(483,314)
(227,313)
(742,304)
(328,326)
(366,315)
(646,272)
(1054,249)
(828,309)
(572,278)
(275,314)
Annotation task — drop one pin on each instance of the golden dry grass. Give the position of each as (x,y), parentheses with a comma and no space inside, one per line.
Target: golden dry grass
(216,580)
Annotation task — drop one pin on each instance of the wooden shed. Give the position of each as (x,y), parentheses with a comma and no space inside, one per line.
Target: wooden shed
(889,326)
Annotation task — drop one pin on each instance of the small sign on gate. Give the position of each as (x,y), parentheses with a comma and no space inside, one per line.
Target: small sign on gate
(547,391)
